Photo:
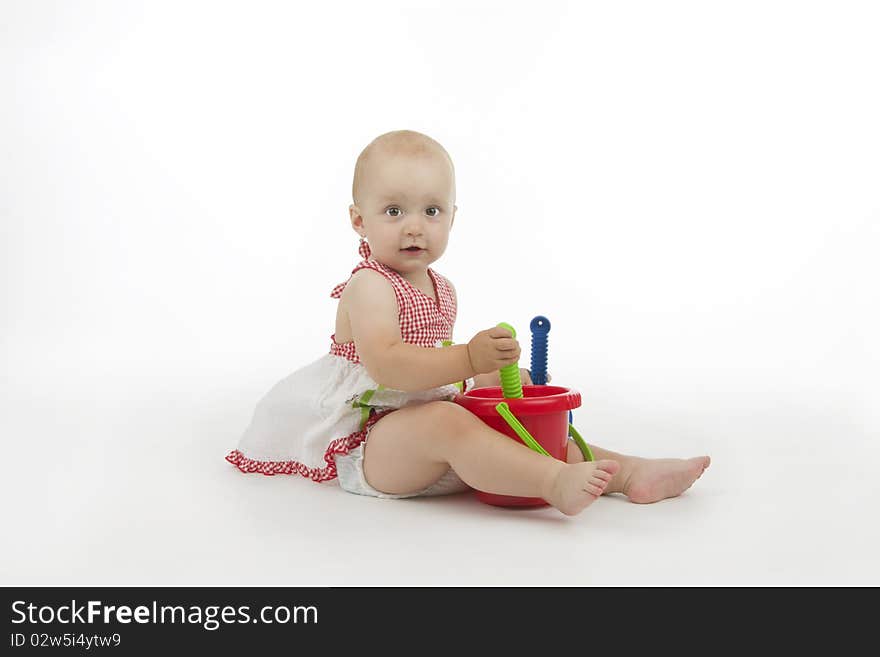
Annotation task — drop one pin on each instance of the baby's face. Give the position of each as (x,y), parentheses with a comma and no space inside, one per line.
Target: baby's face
(406,201)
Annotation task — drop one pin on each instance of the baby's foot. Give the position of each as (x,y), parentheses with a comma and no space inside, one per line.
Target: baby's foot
(577,485)
(652,480)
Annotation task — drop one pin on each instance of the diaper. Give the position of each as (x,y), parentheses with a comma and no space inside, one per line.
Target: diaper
(350,472)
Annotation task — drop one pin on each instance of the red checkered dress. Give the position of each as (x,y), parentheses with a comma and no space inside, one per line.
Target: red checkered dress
(328,407)
(423,321)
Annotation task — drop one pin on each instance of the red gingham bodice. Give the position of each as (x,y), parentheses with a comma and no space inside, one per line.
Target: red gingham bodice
(423,321)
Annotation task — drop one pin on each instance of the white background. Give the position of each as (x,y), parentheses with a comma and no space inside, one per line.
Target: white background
(688,190)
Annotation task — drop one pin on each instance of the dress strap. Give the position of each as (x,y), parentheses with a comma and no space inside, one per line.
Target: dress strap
(364,251)
(400,290)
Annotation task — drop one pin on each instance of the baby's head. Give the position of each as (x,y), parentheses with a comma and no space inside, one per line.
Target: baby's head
(404,195)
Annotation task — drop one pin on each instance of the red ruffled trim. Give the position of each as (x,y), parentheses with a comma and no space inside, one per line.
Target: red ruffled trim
(338,446)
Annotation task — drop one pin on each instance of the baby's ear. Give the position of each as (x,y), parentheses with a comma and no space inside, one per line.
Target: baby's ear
(357,221)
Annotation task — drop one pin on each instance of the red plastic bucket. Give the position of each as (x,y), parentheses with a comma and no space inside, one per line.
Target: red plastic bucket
(543,411)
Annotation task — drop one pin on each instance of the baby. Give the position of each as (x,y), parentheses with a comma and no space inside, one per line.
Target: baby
(376,412)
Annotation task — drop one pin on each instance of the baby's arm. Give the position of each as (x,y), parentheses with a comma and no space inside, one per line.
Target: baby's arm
(373,313)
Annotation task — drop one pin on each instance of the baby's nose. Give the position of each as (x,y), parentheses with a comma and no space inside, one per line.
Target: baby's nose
(413,227)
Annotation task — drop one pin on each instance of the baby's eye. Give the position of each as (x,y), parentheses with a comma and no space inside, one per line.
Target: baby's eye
(393,208)
(433,208)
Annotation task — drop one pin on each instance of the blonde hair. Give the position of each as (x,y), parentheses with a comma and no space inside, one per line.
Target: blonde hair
(396,142)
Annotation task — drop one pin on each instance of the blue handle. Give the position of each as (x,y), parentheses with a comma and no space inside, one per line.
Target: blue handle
(540,327)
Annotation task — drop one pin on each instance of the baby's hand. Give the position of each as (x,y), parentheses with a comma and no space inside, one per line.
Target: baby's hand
(493,380)
(526,377)
(492,349)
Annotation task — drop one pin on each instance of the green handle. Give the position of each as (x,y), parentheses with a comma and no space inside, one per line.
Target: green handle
(511,382)
(504,411)
(581,443)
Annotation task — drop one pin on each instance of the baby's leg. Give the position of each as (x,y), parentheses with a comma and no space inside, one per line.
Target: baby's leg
(411,448)
(646,480)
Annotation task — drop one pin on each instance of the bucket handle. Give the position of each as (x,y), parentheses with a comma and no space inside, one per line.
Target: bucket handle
(581,443)
(505,412)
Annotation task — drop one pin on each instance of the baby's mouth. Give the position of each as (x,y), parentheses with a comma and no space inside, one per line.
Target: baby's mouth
(412,249)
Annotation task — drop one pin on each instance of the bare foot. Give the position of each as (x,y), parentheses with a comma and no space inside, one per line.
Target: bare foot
(578,485)
(652,480)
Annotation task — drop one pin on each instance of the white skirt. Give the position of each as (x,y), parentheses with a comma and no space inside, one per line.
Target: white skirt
(317,412)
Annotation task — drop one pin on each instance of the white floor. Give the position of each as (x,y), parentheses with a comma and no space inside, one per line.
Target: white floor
(114,480)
